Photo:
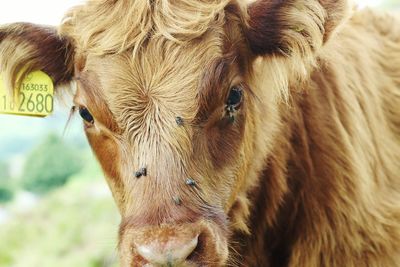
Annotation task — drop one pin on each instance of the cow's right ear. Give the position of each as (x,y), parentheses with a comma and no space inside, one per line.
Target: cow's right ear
(296,27)
(27,47)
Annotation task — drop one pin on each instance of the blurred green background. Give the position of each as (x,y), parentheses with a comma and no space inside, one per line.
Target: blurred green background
(55,207)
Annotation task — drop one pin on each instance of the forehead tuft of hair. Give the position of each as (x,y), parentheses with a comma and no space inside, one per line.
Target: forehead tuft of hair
(113,26)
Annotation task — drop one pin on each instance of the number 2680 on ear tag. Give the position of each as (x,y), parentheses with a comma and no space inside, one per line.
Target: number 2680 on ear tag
(35,97)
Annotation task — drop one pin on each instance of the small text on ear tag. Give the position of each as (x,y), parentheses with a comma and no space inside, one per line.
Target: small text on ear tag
(35,97)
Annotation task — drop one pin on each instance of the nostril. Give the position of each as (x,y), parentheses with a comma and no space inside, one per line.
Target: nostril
(183,252)
(196,253)
(171,252)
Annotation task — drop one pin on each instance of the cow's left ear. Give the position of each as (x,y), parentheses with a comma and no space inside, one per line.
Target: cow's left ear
(27,47)
(295,26)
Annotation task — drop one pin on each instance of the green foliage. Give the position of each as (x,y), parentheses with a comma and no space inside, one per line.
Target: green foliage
(6,193)
(4,172)
(50,165)
(75,225)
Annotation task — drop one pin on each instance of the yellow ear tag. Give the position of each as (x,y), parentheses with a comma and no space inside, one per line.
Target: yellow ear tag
(34,99)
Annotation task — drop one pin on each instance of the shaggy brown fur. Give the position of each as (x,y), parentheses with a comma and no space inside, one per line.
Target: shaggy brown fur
(307,173)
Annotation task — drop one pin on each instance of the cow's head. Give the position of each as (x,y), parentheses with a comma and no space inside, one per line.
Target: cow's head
(179,102)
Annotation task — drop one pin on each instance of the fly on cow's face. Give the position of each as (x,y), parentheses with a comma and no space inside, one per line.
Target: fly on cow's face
(177,200)
(179,121)
(190,182)
(141,172)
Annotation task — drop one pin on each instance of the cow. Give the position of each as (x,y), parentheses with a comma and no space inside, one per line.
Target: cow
(234,133)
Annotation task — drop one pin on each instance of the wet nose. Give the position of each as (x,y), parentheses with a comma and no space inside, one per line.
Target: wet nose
(169,253)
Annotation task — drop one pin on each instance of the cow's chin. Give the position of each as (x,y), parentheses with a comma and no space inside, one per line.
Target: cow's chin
(203,243)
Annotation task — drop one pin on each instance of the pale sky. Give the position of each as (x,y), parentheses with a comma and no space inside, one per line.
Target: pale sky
(363,3)
(52,11)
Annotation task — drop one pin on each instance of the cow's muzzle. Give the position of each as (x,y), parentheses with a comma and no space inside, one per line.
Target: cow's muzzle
(191,244)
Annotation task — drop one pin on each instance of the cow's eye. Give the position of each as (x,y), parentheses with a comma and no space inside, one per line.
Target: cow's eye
(85,114)
(235,97)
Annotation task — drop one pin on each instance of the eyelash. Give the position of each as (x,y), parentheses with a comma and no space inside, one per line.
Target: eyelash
(70,116)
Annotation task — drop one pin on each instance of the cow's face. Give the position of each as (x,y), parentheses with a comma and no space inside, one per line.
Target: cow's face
(173,110)
(168,127)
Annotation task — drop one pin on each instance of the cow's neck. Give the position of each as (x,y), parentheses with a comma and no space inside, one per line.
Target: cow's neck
(308,199)
(276,213)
